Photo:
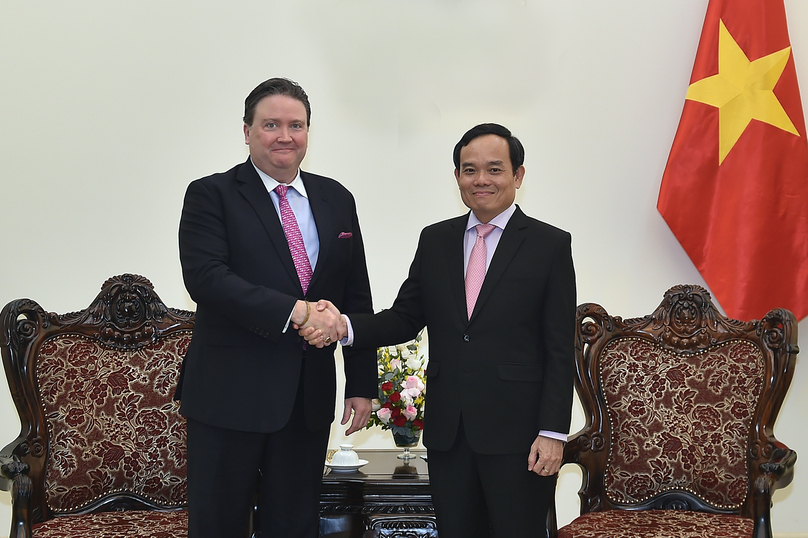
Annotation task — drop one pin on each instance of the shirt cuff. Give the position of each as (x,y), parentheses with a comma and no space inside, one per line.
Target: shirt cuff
(349,338)
(554,435)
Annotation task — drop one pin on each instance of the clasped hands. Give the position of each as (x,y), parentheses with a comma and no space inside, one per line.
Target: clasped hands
(321,323)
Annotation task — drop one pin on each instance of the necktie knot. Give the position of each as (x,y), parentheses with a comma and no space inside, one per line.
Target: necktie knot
(281,190)
(484,229)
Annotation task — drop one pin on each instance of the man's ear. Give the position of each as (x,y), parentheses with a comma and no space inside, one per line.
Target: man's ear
(519,175)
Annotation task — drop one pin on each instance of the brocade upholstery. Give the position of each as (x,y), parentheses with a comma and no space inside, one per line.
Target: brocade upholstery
(657,524)
(679,422)
(116,525)
(113,424)
(679,409)
(102,448)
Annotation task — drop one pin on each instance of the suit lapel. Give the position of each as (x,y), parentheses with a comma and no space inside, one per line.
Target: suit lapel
(325,221)
(512,237)
(254,190)
(454,249)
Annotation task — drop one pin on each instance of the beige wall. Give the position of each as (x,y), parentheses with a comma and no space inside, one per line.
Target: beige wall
(109,109)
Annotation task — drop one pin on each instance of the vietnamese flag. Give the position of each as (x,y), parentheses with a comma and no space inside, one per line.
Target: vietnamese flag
(735,189)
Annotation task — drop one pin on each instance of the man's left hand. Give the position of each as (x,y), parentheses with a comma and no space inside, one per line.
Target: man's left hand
(546,455)
(361,408)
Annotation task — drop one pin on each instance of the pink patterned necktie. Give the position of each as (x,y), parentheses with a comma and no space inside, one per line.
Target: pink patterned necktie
(475,273)
(294,238)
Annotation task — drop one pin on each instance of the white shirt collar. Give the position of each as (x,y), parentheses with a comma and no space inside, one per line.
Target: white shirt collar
(270,183)
(500,221)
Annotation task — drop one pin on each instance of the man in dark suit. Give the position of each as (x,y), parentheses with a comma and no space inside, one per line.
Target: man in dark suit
(255,241)
(500,371)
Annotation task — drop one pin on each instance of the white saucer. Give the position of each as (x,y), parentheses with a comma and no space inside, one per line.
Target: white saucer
(345,468)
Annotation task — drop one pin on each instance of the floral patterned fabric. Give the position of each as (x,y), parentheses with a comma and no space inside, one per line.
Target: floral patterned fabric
(678,421)
(113,424)
(657,524)
(116,525)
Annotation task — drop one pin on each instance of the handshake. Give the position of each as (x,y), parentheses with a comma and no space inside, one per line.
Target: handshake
(321,323)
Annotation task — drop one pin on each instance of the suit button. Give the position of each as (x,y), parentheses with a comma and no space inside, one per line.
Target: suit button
(466,338)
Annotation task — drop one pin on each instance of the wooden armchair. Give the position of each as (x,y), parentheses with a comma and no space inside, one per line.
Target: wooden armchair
(101,452)
(680,407)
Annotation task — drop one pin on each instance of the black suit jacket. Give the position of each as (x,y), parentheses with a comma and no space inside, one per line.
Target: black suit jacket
(509,369)
(241,370)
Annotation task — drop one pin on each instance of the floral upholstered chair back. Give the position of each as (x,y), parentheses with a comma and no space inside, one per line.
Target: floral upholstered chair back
(679,422)
(94,390)
(678,406)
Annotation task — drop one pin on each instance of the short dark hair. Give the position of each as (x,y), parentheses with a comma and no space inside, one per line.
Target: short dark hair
(517,151)
(275,86)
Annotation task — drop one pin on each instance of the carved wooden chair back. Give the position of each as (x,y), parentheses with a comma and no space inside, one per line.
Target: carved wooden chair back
(102,444)
(680,406)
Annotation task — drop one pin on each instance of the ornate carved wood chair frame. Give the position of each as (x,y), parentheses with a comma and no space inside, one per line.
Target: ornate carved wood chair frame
(112,364)
(672,402)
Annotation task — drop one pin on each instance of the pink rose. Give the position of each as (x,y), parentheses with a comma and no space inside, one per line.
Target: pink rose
(413,386)
(410,412)
(384,414)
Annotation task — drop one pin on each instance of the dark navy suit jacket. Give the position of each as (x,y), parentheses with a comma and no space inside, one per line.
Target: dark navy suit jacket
(241,370)
(509,369)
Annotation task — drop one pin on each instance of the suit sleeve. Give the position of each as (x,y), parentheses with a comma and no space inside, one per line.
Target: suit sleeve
(204,254)
(361,371)
(558,319)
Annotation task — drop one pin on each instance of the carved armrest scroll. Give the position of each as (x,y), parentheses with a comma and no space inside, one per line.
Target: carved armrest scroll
(14,478)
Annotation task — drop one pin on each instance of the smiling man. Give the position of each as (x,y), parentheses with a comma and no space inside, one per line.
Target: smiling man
(496,291)
(255,242)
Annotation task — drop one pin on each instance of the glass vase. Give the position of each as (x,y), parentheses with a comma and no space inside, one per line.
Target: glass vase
(407,441)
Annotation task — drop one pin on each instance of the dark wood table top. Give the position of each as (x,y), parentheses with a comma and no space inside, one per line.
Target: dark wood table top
(386,493)
(383,464)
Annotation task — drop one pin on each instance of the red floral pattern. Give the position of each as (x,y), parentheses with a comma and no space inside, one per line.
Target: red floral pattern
(116,525)
(656,524)
(113,424)
(679,421)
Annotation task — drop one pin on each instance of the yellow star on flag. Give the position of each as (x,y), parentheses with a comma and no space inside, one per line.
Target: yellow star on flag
(742,91)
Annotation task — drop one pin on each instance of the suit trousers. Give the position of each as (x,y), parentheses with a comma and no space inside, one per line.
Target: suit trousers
(475,494)
(227,469)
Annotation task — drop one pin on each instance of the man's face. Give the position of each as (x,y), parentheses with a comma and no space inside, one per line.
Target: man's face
(278,136)
(486,179)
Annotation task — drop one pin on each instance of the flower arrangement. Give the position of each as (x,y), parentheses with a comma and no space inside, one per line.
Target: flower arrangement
(400,406)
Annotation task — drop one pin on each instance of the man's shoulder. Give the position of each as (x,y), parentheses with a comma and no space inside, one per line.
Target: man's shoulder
(322,182)
(446,226)
(327,188)
(220,178)
(538,226)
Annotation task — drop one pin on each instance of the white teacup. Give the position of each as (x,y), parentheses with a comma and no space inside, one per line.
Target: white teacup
(345,456)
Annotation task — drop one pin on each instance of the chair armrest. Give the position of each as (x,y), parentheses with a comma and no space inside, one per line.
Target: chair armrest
(14,478)
(779,470)
(10,467)
(776,473)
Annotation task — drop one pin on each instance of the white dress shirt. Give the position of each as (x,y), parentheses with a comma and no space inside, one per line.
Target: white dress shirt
(299,202)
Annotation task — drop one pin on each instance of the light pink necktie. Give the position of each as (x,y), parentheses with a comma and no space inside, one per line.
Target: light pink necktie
(294,238)
(475,273)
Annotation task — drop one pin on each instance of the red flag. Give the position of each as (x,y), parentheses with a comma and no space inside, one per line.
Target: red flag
(735,189)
